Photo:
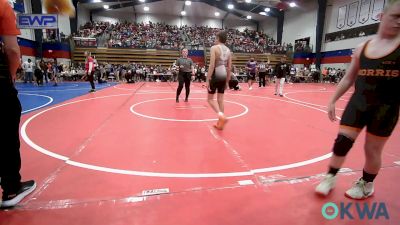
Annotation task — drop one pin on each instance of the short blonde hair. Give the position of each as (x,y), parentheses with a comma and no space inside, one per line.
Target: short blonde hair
(391,3)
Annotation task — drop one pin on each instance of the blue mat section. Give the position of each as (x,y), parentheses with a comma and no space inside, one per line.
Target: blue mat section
(33,97)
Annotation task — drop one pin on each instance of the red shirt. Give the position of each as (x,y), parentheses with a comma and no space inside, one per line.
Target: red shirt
(7,19)
(89,60)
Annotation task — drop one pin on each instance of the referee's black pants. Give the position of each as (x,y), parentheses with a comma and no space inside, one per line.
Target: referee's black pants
(183,78)
(10,115)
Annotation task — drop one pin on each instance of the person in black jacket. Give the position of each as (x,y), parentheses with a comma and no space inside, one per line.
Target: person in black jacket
(39,76)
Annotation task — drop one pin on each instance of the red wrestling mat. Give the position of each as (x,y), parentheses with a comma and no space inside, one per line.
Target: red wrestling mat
(98,159)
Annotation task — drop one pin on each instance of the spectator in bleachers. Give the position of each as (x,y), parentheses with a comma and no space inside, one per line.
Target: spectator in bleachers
(162,36)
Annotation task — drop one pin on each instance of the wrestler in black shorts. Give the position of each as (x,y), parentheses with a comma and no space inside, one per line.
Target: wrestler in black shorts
(217,85)
(376,100)
(251,76)
(380,120)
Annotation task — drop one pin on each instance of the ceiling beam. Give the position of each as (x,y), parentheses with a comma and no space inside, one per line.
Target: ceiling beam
(226,15)
(122,5)
(94,1)
(248,7)
(222,5)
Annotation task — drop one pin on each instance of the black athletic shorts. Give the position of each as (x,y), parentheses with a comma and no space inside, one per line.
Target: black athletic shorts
(217,85)
(380,119)
(251,76)
(184,76)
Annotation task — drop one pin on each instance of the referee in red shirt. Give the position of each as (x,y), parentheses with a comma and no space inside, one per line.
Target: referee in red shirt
(89,70)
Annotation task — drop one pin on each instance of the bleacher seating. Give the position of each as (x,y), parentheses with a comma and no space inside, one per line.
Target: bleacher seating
(164,58)
(241,59)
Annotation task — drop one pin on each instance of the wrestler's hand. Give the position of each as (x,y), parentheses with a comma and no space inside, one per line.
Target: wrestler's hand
(331,111)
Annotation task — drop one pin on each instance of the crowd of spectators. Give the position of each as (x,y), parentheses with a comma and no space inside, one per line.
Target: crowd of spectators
(248,41)
(302,47)
(132,72)
(163,36)
(41,70)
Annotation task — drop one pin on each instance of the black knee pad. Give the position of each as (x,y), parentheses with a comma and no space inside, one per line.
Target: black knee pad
(342,145)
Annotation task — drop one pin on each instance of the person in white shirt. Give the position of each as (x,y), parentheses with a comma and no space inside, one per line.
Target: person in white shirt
(28,69)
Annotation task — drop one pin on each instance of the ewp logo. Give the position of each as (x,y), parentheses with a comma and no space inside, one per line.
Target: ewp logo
(375,211)
(37,21)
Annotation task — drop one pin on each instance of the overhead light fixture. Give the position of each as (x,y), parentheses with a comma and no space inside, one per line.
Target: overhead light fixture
(106,6)
(247,1)
(216,13)
(267,9)
(97,1)
(146,8)
(248,17)
(292,4)
(183,13)
(188,2)
(231,6)
(263,13)
(142,0)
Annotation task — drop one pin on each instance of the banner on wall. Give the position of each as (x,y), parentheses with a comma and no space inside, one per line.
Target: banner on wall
(364,11)
(302,44)
(377,9)
(341,17)
(352,16)
(37,21)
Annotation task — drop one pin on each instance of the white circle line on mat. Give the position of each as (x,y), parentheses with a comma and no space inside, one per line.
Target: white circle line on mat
(38,107)
(67,160)
(309,103)
(246,110)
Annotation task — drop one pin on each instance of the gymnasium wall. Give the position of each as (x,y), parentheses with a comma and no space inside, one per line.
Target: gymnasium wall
(64,25)
(83,15)
(26,33)
(233,22)
(347,14)
(269,26)
(353,13)
(301,22)
(337,59)
(354,16)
